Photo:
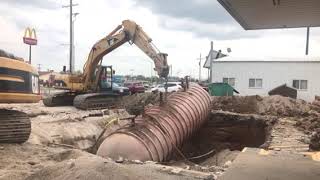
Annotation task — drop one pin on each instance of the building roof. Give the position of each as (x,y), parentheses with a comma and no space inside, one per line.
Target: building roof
(270,14)
(268,59)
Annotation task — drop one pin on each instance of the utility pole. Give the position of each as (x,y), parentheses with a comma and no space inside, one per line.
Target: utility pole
(211,61)
(199,67)
(307,43)
(70,6)
(73,45)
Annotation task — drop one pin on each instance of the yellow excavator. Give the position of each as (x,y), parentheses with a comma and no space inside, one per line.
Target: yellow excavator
(93,88)
(18,84)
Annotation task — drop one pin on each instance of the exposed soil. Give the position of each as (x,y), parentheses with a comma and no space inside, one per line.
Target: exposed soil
(136,103)
(270,105)
(286,137)
(37,162)
(302,115)
(19,161)
(61,135)
(226,130)
(92,167)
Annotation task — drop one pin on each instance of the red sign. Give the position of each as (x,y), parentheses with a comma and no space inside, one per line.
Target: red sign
(30,37)
(30,41)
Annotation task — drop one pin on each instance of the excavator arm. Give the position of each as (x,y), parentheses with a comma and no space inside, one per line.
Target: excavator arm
(130,32)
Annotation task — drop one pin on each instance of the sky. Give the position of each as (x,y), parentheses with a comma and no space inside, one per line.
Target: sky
(181,28)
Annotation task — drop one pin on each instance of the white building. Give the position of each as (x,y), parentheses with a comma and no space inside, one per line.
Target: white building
(260,75)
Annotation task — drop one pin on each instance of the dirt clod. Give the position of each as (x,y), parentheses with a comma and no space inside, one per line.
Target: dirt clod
(315,140)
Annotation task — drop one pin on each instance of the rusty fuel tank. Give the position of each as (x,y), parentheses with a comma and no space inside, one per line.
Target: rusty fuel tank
(161,129)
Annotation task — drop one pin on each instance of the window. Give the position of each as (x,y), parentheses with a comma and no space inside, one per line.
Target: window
(300,84)
(255,83)
(230,81)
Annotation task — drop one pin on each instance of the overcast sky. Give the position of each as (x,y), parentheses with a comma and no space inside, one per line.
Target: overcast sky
(181,28)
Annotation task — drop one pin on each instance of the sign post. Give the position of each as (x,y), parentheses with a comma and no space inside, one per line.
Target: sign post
(30,38)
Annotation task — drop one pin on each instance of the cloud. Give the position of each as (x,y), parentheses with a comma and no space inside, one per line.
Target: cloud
(182,29)
(206,30)
(43,4)
(204,18)
(206,11)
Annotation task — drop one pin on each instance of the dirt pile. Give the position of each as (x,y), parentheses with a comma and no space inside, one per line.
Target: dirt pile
(283,106)
(136,103)
(270,105)
(309,123)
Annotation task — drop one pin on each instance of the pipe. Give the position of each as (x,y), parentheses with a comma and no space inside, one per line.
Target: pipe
(161,129)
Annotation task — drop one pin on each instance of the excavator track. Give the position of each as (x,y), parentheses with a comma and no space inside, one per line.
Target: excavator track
(60,99)
(15,126)
(96,101)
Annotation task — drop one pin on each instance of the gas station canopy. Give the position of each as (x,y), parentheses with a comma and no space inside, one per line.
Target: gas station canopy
(271,14)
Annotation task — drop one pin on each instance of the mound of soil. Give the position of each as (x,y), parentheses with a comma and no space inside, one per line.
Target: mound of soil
(308,124)
(135,104)
(270,105)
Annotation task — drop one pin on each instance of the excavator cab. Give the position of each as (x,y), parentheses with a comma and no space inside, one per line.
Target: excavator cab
(105,77)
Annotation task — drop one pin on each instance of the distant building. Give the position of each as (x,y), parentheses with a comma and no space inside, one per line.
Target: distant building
(257,76)
(46,78)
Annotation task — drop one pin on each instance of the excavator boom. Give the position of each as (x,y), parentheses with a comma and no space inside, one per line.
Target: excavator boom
(130,32)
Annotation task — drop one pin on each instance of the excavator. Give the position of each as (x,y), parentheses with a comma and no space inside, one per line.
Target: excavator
(93,88)
(18,84)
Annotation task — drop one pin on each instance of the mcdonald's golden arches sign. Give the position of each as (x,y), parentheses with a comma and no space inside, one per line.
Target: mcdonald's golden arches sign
(30,36)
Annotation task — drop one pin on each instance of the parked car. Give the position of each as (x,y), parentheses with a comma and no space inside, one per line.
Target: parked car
(116,88)
(146,84)
(172,87)
(135,87)
(120,89)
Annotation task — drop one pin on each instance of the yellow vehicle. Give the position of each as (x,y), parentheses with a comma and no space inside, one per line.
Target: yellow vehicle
(18,84)
(86,91)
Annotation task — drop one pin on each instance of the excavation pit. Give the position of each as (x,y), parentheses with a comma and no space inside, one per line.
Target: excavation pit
(228,131)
